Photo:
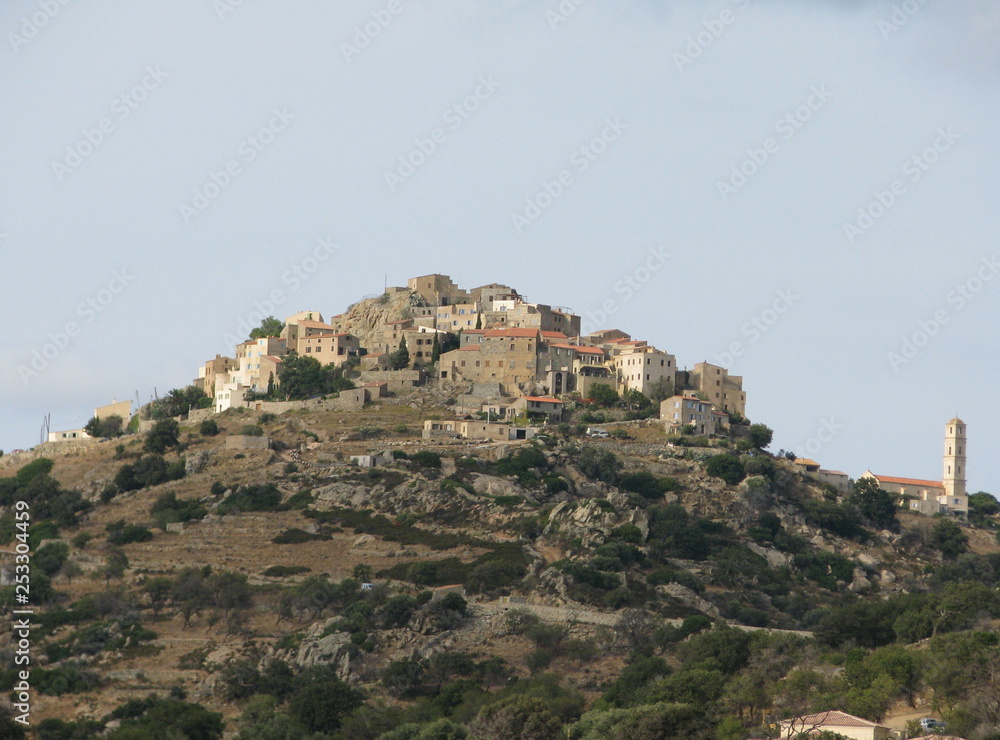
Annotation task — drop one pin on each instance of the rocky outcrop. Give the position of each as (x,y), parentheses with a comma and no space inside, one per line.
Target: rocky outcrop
(688,598)
(366,319)
(334,649)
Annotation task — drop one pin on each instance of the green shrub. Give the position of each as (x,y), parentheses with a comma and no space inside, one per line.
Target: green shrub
(727,467)
(426,459)
(251,430)
(283,571)
(208,428)
(297,536)
(265,497)
(120,533)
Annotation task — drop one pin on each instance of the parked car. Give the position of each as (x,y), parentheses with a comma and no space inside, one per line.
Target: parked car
(929,724)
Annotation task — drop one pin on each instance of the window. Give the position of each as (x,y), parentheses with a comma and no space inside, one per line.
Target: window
(463,363)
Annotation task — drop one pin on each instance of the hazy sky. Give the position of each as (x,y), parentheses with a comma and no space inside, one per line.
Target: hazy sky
(812,182)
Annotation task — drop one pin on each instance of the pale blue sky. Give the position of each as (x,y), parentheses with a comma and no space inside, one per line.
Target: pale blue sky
(832,99)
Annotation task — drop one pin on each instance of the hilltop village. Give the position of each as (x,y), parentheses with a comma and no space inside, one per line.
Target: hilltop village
(507,367)
(516,359)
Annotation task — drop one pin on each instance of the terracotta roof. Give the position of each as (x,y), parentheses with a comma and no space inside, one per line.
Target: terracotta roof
(470,348)
(315,325)
(554,335)
(909,481)
(832,472)
(832,719)
(522,333)
(272,358)
(805,461)
(544,399)
(580,348)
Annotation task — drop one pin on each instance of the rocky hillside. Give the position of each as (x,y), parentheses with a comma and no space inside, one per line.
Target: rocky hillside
(366,319)
(568,582)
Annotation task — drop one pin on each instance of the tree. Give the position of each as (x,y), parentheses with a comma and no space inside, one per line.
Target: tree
(115,564)
(110,426)
(158,589)
(949,538)
(400,359)
(877,505)
(321,700)
(661,390)
(516,718)
(435,350)
(166,719)
(727,467)
(982,506)
(50,559)
(303,377)
(603,394)
(269,327)
(164,434)
(760,436)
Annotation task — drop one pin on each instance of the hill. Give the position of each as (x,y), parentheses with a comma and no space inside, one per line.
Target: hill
(639,586)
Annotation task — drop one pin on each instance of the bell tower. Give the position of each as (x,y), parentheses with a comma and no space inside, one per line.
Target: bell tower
(954,462)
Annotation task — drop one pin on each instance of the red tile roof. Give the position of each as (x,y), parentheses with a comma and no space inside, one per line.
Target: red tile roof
(909,481)
(542,399)
(582,349)
(554,335)
(833,472)
(315,325)
(832,719)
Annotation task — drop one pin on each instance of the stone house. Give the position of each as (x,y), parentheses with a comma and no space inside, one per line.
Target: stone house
(679,411)
(723,390)
(839,722)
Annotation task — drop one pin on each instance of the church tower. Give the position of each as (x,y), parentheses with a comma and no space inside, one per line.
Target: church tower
(954,465)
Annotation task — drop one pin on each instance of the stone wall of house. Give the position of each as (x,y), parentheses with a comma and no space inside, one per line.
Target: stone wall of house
(245,442)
